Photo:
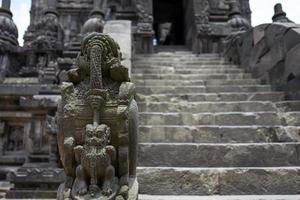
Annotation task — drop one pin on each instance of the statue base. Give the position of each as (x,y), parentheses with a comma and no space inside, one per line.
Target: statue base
(132,193)
(133,189)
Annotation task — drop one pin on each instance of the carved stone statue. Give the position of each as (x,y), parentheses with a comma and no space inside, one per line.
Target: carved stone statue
(95,158)
(98,123)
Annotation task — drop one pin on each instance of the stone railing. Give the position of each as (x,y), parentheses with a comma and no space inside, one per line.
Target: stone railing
(271,52)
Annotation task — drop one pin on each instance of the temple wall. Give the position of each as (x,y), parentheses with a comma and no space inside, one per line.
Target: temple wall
(271,52)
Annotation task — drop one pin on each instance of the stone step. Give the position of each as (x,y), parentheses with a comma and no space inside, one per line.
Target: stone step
(197,107)
(212,82)
(176,55)
(70,54)
(165,55)
(139,76)
(4,187)
(241,197)
(196,89)
(217,134)
(154,82)
(291,118)
(219,155)
(186,71)
(188,67)
(219,181)
(171,48)
(232,82)
(288,106)
(194,97)
(239,88)
(169,89)
(181,63)
(179,58)
(229,119)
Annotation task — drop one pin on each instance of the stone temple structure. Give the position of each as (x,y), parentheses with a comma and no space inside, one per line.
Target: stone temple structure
(218,101)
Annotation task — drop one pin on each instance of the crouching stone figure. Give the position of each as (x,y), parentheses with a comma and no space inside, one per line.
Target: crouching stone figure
(98,123)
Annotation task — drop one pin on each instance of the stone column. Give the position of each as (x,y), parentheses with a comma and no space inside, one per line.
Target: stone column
(36,132)
(2,129)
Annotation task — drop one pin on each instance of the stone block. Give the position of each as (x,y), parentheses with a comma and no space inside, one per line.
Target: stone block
(231,181)
(197,107)
(218,155)
(259,33)
(217,134)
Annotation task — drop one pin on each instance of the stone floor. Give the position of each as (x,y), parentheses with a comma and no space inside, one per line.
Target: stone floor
(209,128)
(276,197)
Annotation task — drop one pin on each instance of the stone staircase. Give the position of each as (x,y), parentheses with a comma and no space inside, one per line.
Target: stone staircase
(4,187)
(208,128)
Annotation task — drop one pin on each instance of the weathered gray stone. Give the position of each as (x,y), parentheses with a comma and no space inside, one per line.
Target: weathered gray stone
(217,134)
(251,106)
(233,119)
(213,197)
(266,96)
(291,71)
(287,106)
(218,155)
(186,71)
(169,89)
(191,76)
(211,181)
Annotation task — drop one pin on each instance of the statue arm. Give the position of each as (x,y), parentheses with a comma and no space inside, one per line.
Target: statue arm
(127,91)
(119,73)
(111,152)
(78,152)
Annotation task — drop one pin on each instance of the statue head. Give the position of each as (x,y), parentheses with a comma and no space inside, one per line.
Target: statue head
(97,135)
(98,54)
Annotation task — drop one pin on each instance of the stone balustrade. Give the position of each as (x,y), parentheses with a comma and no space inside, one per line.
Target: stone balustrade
(271,52)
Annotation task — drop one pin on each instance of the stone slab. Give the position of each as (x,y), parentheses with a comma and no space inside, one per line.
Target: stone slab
(219,155)
(219,181)
(197,107)
(19,89)
(218,134)
(230,118)
(167,70)
(196,89)
(153,82)
(194,97)
(244,197)
(191,76)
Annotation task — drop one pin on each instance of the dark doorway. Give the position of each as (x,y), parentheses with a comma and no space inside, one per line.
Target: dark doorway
(168,22)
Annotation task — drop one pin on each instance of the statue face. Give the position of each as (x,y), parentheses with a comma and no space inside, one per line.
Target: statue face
(97,136)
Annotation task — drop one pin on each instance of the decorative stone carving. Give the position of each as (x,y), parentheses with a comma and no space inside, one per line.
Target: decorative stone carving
(14,139)
(8,39)
(43,42)
(95,23)
(202,17)
(245,9)
(144,29)
(280,15)
(236,20)
(97,121)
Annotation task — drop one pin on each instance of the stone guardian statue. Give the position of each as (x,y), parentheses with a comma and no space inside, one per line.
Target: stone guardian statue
(98,123)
